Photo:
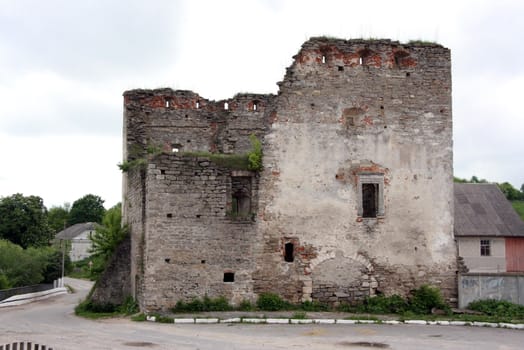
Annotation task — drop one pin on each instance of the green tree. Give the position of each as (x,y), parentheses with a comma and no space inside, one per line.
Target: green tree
(255,155)
(89,208)
(509,191)
(58,217)
(107,236)
(23,220)
(18,266)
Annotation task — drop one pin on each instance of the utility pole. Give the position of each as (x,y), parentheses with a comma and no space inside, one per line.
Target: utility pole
(63,244)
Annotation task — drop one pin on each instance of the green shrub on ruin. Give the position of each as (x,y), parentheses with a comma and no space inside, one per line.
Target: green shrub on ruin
(272,302)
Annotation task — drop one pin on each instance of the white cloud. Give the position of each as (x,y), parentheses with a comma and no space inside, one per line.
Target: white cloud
(61,168)
(64,66)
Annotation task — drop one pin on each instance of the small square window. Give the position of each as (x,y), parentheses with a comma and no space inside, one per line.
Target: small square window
(229,277)
(485,247)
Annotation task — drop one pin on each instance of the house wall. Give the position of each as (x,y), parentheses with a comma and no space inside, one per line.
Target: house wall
(81,246)
(481,286)
(515,254)
(346,112)
(469,249)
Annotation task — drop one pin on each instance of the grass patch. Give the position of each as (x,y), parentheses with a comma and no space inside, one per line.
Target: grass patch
(299,315)
(141,317)
(91,310)
(422,42)
(498,308)
(231,161)
(519,208)
(272,302)
(314,306)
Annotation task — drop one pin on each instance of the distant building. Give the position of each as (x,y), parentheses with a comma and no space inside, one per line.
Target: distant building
(80,237)
(489,233)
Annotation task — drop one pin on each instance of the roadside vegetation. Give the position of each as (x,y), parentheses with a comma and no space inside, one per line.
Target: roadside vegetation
(424,303)
(91,310)
(24,267)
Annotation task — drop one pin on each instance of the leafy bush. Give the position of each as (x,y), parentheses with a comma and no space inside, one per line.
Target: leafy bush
(498,308)
(202,305)
(23,267)
(255,155)
(141,317)
(426,298)
(383,305)
(163,319)
(129,306)
(108,236)
(246,305)
(88,306)
(271,302)
(4,282)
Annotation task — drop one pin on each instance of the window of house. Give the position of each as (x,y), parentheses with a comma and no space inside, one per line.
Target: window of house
(289,252)
(370,195)
(485,247)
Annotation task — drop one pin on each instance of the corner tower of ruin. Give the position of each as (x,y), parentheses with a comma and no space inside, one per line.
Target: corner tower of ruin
(355,194)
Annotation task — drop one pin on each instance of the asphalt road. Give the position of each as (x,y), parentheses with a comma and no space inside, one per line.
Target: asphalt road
(52,322)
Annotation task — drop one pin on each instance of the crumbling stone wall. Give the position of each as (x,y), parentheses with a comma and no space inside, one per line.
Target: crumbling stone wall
(354,110)
(114,285)
(350,117)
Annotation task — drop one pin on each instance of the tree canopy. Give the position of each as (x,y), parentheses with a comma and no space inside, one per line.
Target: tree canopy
(89,208)
(107,236)
(23,221)
(509,191)
(58,217)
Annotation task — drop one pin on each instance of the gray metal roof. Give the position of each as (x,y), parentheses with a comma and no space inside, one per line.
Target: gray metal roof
(73,231)
(483,210)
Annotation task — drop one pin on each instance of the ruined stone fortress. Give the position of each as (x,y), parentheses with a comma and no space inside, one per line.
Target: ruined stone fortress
(355,194)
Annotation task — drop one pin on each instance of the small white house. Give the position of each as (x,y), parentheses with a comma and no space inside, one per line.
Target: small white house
(489,233)
(80,237)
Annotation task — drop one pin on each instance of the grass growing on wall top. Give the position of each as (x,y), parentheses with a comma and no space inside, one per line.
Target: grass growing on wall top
(232,161)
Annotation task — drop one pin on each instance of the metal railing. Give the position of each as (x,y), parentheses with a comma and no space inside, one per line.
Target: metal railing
(7,293)
(24,346)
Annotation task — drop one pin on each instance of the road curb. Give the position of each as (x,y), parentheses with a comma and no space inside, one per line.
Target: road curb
(21,299)
(300,321)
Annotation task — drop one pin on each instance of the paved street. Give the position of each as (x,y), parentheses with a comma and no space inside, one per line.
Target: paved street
(53,323)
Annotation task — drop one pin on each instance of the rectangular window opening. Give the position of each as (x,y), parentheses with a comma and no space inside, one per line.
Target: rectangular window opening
(485,247)
(229,277)
(289,251)
(240,196)
(369,200)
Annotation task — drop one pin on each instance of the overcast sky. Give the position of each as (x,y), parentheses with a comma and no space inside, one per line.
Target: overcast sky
(64,66)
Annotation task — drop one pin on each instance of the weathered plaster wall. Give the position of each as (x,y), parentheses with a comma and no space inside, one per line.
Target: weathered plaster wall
(336,119)
(469,249)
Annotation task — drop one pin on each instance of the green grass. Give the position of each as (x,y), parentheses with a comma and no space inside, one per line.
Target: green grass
(232,161)
(88,309)
(519,208)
